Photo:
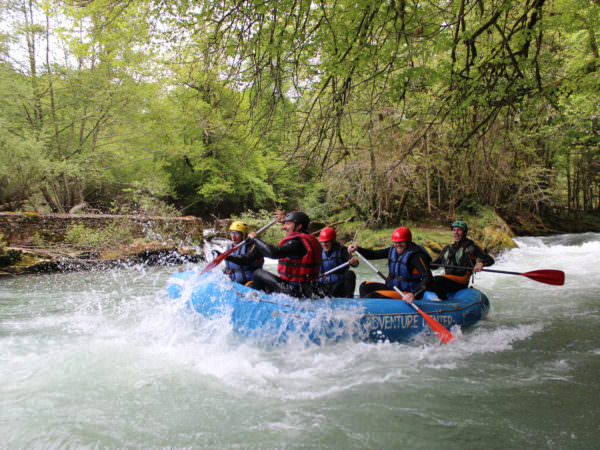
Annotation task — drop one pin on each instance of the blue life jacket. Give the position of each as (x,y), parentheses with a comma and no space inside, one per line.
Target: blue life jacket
(399,274)
(330,262)
(242,274)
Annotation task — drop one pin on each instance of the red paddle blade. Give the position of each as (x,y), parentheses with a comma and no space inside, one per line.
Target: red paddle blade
(556,277)
(441,332)
(215,262)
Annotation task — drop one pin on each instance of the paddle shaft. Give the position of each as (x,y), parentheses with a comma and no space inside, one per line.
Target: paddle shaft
(259,232)
(441,332)
(335,269)
(470,268)
(555,277)
(373,268)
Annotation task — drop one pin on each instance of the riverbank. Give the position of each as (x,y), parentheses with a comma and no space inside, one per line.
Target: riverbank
(34,243)
(22,261)
(41,243)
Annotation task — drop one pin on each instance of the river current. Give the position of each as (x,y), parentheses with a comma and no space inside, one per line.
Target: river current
(105,359)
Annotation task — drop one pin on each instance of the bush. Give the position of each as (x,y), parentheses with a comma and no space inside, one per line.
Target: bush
(81,235)
(87,237)
(257,220)
(37,240)
(143,203)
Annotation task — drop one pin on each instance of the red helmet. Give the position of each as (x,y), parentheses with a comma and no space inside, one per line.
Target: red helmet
(327,234)
(401,234)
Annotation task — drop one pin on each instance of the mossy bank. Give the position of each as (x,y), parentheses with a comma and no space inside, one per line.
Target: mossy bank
(489,231)
(33,243)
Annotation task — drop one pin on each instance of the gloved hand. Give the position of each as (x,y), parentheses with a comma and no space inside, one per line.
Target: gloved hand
(216,253)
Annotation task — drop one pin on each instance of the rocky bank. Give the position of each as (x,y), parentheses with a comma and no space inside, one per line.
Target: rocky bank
(34,243)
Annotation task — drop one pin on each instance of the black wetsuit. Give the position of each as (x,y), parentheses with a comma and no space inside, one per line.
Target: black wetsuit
(464,253)
(268,282)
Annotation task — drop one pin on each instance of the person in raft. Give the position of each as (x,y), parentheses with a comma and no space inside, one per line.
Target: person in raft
(460,260)
(241,264)
(299,255)
(342,282)
(408,265)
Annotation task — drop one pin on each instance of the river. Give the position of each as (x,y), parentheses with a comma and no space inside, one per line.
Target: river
(104,359)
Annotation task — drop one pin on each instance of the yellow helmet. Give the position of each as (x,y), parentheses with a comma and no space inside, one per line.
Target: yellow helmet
(239,226)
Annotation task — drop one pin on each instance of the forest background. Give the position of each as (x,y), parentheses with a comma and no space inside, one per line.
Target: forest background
(384,111)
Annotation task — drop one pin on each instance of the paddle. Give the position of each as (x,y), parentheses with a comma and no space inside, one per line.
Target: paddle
(555,277)
(335,269)
(215,262)
(441,332)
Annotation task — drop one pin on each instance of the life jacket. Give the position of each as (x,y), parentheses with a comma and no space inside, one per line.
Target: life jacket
(306,268)
(399,274)
(242,274)
(458,254)
(331,262)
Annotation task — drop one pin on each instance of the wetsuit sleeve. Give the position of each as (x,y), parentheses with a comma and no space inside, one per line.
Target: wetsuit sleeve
(292,248)
(374,254)
(247,259)
(417,261)
(480,256)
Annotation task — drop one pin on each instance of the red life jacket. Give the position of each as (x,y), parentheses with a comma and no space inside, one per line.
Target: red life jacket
(301,270)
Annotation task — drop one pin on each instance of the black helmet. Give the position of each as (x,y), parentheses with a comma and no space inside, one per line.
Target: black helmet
(298,217)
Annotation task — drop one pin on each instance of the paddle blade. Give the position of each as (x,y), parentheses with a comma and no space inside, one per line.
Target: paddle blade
(555,277)
(441,332)
(215,262)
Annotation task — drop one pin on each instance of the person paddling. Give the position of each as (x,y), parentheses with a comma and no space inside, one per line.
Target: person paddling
(299,255)
(408,265)
(342,282)
(242,263)
(455,257)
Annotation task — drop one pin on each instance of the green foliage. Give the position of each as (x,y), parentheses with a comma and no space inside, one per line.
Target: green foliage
(37,240)
(391,111)
(470,205)
(138,201)
(315,203)
(82,236)
(215,160)
(22,156)
(257,220)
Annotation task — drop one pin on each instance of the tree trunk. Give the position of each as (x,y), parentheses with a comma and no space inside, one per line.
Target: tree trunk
(427,179)
(51,203)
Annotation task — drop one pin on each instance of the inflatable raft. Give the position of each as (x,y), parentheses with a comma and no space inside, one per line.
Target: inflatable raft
(277,318)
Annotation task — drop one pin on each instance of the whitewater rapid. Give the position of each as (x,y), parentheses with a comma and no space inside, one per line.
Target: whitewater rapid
(105,359)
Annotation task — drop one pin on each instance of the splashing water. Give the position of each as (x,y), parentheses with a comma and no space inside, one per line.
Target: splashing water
(106,359)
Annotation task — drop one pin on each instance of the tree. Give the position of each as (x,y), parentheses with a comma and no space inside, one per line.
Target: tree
(400,108)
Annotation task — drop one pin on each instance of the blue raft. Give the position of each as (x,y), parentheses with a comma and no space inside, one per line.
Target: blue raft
(277,318)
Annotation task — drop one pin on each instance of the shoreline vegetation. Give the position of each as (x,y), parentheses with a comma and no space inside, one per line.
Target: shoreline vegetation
(117,244)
